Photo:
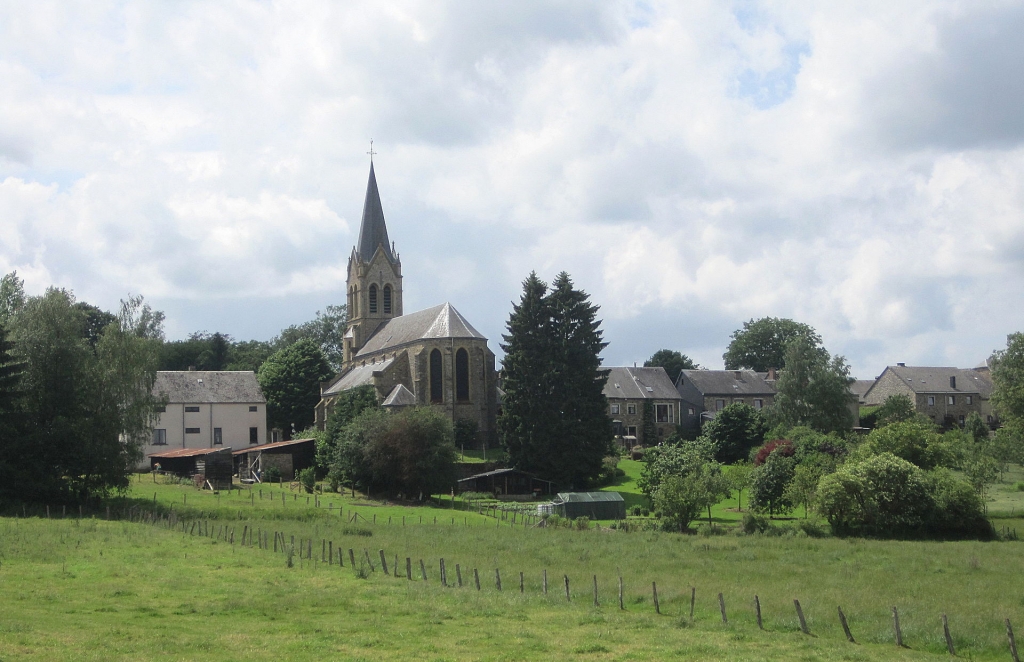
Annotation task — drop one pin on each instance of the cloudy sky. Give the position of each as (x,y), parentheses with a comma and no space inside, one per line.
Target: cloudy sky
(858,166)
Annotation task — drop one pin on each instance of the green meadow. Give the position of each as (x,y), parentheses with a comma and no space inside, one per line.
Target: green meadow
(93,589)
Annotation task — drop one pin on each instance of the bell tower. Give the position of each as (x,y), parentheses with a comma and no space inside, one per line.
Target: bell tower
(374,275)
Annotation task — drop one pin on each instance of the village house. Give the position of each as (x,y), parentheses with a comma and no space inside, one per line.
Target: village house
(432,357)
(945,395)
(207,409)
(628,391)
(707,392)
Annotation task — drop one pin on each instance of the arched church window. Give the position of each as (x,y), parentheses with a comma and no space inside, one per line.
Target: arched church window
(373,299)
(436,377)
(387,299)
(462,375)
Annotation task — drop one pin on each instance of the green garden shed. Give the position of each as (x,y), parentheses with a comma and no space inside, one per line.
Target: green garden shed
(595,505)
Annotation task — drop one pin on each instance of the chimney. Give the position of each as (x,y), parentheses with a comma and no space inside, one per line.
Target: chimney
(738,374)
(902,365)
(191,368)
(952,381)
(771,374)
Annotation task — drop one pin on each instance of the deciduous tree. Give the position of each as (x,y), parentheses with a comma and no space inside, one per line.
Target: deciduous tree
(290,380)
(813,389)
(761,344)
(734,431)
(672,361)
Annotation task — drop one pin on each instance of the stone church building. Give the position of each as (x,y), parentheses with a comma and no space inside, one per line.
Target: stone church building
(431,357)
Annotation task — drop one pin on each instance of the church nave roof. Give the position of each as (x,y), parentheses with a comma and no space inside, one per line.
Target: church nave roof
(438,322)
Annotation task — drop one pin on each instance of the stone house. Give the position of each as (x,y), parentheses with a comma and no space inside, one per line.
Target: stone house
(628,390)
(945,395)
(208,409)
(433,357)
(706,392)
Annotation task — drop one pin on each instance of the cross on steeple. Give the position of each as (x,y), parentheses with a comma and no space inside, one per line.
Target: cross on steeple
(371,152)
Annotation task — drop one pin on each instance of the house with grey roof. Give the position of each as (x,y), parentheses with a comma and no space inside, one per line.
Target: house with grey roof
(207,409)
(946,395)
(633,391)
(432,357)
(707,392)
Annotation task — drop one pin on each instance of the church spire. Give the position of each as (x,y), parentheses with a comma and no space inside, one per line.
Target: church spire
(373,232)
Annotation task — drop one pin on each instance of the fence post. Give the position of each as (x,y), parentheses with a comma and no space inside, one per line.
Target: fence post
(1013,642)
(896,627)
(352,557)
(757,610)
(522,587)
(846,627)
(497,578)
(444,575)
(330,552)
(396,566)
(408,568)
(596,604)
(476,578)
(621,606)
(800,615)
(458,574)
(654,589)
(383,562)
(423,570)
(949,639)
(545,581)
(693,600)
(567,598)
(721,606)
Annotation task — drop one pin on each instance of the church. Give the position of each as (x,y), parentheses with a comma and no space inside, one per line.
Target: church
(432,357)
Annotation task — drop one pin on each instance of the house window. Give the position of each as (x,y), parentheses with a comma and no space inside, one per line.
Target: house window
(691,411)
(970,399)
(631,409)
(615,409)
(218,436)
(191,430)
(436,377)
(719,405)
(758,403)
(950,399)
(462,375)
(192,409)
(962,421)
(254,435)
(253,408)
(631,431)
(373,299)
(160,409)
(159,437)
(931,400)
(663,413)
(387,299)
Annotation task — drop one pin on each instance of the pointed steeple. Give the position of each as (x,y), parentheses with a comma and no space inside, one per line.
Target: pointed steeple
(373,232)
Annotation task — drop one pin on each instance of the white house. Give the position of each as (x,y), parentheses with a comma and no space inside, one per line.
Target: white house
(208,410)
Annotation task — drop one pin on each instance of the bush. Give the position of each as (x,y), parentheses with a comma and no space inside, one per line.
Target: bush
(783,447)
(307,478)
(271,475)
(754,523)
(581,523)
(770,480)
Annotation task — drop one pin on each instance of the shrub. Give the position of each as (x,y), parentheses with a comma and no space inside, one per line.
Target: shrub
(914,441)
(271,475)
(637,509)
(307,478)
(754,523)
(581,523)
(783,447)
(770,480)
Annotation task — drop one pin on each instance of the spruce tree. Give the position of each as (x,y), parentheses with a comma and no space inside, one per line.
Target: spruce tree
(525,424)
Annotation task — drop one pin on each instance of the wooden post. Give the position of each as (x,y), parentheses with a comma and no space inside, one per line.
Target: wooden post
(757,610)
(323,550)
(330,552)
(621,606)
(309,548)
(800,615)
(522,583)
(497,578)
(949,639)
(383,562)
(654,589)
(721,606)
(458,574)
(408,568)
(1013,642)
(366,555)
(476,578)
(352,557)
(846,627)
(567,598)
(545,581)
(896,627)
(423,570)
(693,600)
(444,576)
(396,566)
(596,604)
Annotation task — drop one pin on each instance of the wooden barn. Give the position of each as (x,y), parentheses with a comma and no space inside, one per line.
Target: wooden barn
(288,457)
(210,467)
(506,481)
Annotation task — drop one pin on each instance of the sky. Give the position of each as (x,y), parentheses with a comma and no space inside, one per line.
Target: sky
(857,166)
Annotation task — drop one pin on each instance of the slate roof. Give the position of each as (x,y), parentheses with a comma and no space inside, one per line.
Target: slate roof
(936,380)
(360,375)
(400,396)
(203,386)
(372,231)
(640,383)
(441,321)
(726,382)
(860,387)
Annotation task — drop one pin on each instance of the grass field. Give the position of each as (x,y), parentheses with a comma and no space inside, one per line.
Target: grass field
(92,589)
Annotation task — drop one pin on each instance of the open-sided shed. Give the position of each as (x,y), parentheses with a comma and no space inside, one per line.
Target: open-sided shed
(210,465)
(288,457)
(505,481)
(595,505)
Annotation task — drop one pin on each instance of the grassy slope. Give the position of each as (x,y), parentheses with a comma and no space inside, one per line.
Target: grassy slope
(93,589)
